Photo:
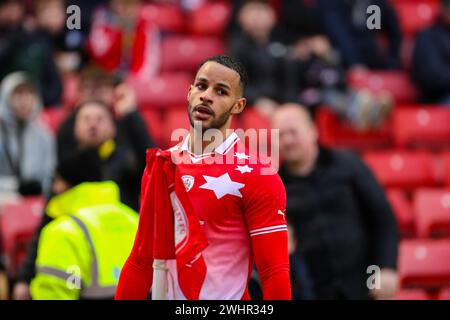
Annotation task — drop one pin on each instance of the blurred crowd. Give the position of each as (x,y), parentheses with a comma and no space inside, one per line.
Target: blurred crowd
(298,54)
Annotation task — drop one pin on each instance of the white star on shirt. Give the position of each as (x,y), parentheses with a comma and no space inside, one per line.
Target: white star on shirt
(222,186)
(244,169)
(241,156)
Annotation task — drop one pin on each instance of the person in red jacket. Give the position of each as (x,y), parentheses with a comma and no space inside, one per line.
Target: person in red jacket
(238,201)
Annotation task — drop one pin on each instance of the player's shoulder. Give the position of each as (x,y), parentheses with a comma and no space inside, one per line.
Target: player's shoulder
(260,172)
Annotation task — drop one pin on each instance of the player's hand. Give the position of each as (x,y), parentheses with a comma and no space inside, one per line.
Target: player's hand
(21,291)
(125,101)
(388,285)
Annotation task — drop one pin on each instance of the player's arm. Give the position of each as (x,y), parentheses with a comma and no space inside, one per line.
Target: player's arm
(265,214)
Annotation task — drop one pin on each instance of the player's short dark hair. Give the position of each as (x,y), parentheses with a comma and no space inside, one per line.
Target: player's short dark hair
(233,64)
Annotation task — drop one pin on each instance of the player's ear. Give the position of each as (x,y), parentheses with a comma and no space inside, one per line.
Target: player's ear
(239,106)
(189,92)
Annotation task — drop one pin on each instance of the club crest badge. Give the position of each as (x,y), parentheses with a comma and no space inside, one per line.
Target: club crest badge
(188,182)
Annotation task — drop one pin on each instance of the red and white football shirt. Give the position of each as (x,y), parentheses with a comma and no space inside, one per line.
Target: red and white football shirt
(235,199)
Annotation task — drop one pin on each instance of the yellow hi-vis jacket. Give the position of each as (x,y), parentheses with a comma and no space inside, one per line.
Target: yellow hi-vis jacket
(81,252)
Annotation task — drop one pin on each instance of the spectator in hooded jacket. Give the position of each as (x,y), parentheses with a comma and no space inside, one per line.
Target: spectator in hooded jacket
(27,149)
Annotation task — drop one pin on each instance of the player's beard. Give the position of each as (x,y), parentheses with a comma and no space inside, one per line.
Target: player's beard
(217,121)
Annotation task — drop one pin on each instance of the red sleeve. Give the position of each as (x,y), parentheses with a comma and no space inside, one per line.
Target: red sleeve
(265,208)
(137,274)
(272,262)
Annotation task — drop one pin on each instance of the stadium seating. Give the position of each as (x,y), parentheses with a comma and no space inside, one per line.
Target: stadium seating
(402,169)
(185,53)
(210,18)
(168,17)
(411,294)
(403,211)
(444,294)
(174,119)
(255,138)
(427,126)
(446,168)
(53,117)
(432,212)
(71,87)
(165,90)
(18,223)
(416,15)
(152,120)
(397,83)
(334,132)
(424,263)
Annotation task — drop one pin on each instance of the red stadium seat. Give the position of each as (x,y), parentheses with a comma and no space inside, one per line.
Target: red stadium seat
(446,165)
(168,17)
(174,119)
(53,117)
(444,294)
(403,211)
(415,16)
(411,294)
(424,263)
(334,132)
(432,212)
(152,119)
(163,91)
(19,221)
(397,83)
(402,169)
(254,124)
(428,126)
(185,53)
(71,90)
(211,18)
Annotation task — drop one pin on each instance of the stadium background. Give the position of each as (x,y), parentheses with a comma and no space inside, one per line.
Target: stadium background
(409,154)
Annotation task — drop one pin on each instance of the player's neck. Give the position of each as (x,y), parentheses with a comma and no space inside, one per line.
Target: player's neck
(197,141)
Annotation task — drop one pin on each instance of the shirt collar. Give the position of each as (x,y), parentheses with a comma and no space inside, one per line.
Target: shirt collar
(222,149)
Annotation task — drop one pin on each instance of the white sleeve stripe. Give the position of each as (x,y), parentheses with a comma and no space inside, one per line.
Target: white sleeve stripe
(268,228)
(269,231)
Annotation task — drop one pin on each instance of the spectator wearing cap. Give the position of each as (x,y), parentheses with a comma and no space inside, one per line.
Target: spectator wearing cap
(431,59)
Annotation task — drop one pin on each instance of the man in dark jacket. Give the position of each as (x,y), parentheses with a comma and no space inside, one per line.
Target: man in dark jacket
(431,59)
(341,218)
